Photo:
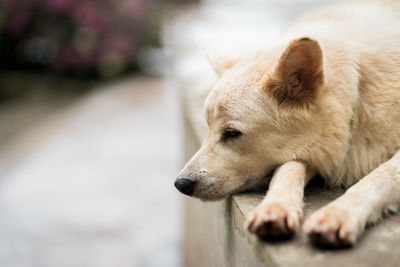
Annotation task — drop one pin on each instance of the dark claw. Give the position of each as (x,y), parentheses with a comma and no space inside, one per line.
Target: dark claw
(271,231)
(322,241)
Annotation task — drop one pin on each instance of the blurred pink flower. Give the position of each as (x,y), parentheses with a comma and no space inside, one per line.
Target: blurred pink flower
(87,15)
(17,24)
(100,36)
(7,4)
(117,44)
(59,5)
(137,9)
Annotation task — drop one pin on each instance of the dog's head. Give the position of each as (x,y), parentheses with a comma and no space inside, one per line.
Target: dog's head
(261,113)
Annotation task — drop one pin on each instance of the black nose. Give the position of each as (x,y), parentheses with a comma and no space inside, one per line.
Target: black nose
(185,186)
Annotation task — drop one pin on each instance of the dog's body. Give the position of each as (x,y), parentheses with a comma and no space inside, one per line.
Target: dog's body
(323,99)
(360,44)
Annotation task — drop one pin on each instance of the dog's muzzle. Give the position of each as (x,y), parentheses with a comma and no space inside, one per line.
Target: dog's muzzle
(185,186)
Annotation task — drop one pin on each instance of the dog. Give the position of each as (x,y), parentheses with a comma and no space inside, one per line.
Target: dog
(324,99)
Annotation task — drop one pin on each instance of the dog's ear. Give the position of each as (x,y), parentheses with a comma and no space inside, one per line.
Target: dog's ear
(222,62)
(299,73)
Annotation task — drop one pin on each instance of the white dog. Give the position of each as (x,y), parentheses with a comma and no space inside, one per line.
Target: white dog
(323,99)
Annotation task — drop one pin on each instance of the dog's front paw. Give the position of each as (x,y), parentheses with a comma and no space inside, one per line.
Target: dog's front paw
(274,220)
(333,226)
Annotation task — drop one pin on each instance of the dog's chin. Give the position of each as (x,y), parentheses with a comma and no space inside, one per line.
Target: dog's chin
(212,198)
(207,197)
(210,194)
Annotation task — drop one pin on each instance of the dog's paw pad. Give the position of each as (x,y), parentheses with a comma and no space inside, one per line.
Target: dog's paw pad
(331,227)
(273,221)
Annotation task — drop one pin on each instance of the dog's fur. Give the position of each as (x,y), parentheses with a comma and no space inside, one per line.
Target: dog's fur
(323,99)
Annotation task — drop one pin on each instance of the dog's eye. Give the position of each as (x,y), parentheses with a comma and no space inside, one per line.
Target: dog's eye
(231,134)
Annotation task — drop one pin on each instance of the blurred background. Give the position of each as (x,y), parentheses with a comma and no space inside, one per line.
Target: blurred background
(92,96)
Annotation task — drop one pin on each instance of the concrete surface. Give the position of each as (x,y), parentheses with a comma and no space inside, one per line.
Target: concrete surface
(91,184)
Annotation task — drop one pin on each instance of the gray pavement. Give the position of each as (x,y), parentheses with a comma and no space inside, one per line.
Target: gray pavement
(91,184)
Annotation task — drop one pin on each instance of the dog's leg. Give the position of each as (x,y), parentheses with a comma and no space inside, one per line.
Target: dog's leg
(341,222)
(280,213)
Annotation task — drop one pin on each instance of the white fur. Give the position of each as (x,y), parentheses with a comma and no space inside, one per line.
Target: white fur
(293,101)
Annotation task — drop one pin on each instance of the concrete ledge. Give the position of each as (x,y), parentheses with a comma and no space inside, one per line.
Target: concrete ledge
(378,246)
(214,233)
